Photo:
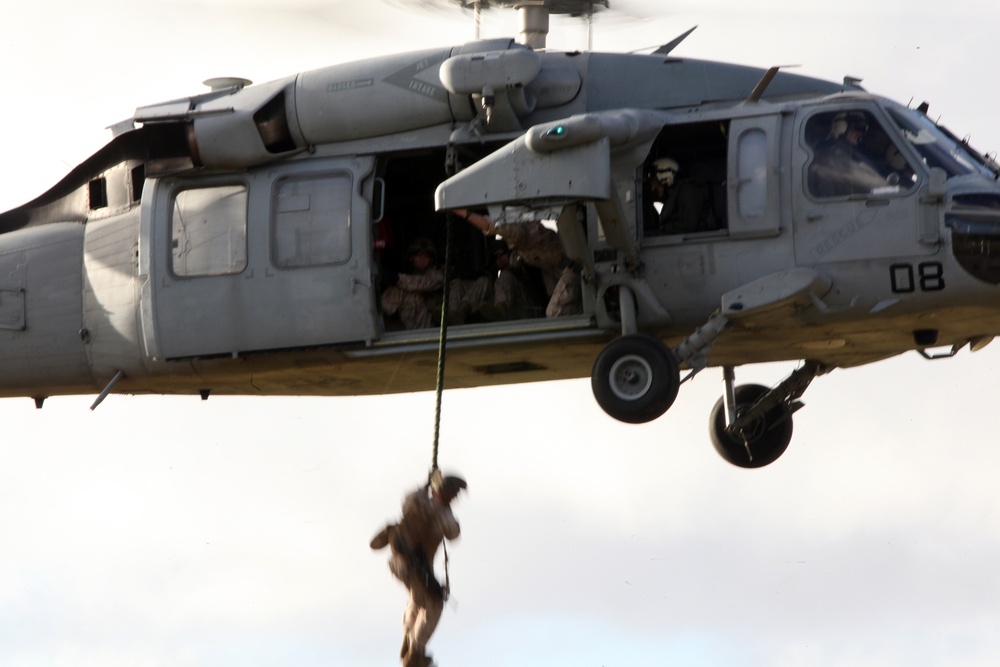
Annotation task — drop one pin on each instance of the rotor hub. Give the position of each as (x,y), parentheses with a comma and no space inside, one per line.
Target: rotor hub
(535,14)
(571,7)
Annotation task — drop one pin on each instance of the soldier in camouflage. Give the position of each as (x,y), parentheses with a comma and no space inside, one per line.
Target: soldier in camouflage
(414,295)
(540,247)
(427,521)
(501,295)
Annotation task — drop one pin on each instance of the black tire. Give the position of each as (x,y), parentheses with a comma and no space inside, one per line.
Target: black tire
(635,378)
(767,437)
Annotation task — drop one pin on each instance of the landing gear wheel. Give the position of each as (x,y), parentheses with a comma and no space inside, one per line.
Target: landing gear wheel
(635,378)
(766,438)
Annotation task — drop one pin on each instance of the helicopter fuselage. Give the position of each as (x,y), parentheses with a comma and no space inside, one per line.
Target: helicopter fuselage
(238,242)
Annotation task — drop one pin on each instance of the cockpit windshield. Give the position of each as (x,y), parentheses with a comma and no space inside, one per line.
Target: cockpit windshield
(938,147)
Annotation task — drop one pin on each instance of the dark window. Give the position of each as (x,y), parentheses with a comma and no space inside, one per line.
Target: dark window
(98,193)
(138,178)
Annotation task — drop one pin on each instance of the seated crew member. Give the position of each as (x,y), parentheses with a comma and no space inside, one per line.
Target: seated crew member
(540,247)
(412,295)
(501,295)
(686,206)
(512,299)
(659,177)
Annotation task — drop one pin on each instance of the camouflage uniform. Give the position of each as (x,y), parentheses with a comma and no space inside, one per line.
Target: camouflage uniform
(414,298)
(509,294)
(427,521)
(540,247)
(465,296)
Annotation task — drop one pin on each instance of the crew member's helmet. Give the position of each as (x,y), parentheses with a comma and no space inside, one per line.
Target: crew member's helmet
(421,244)
(848,120)
(665,170)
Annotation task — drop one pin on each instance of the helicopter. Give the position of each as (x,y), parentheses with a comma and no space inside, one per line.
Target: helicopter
(235,241)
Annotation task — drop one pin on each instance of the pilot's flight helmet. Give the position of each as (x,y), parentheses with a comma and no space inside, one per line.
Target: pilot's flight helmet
(421,244)
(848,120)
(665,169)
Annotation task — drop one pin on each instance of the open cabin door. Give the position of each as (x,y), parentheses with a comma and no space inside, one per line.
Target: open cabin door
(270,259)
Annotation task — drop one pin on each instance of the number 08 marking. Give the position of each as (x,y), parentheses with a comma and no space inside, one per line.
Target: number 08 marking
(928,277)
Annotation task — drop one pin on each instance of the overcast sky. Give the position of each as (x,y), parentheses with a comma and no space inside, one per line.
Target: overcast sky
(175,532)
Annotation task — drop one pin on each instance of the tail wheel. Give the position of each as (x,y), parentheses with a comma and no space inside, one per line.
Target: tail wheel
(635,378)
(762,441)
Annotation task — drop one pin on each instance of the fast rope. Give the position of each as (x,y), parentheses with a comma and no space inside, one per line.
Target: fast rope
(439,388)
(442,340)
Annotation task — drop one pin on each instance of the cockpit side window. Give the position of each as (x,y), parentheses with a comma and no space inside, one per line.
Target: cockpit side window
(852,154)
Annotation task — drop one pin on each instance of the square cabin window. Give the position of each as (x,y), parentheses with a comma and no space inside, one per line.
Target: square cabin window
(209,231)
(311,224)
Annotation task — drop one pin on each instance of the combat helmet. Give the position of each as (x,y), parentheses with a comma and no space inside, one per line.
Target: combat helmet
(447,485)
(422,244)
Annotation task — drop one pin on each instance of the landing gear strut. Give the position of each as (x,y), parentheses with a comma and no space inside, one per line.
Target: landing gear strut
(751,425)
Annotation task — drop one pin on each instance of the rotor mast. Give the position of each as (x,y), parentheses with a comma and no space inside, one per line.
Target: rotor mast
(534,15)
(534,23)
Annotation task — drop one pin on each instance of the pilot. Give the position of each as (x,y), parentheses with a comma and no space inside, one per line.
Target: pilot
(413,295)
(426,522)
(840,166)
(899,170)
(540,247)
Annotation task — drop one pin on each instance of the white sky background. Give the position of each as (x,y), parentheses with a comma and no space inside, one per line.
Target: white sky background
(171,531)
